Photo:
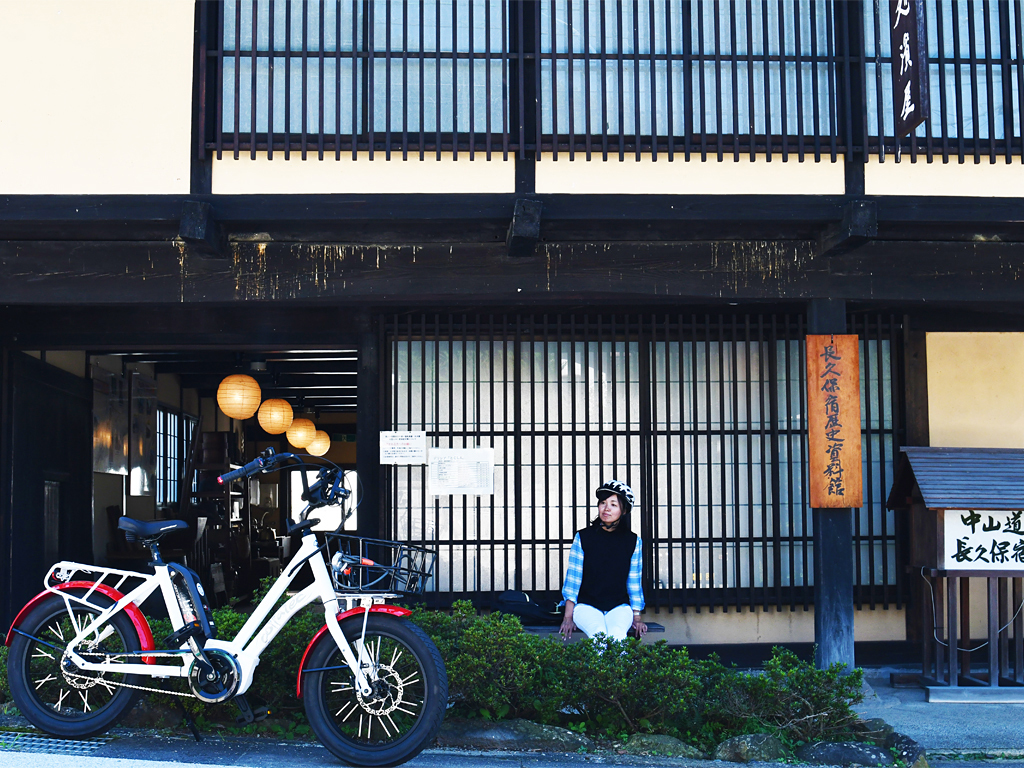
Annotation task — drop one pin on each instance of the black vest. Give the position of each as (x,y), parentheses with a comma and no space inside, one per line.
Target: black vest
(606,557)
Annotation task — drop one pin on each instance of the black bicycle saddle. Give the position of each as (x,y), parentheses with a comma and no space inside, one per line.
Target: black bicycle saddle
(148,529)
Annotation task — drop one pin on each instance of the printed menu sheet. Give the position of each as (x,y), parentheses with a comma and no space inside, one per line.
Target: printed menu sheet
(461,471)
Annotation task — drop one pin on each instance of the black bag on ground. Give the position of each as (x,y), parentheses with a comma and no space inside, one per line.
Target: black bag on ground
(530,613)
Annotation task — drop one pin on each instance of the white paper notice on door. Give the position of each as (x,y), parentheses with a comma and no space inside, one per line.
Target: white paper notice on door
(403,447)
(461,471)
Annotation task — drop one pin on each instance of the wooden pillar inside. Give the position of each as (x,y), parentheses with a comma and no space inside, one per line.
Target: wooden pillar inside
(368,397)
(833,539)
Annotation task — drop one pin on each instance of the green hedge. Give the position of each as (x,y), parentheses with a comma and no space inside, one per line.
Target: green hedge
(602,687)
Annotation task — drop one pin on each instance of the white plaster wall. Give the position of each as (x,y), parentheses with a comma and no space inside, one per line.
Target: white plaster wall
(362,176)
(711,177)
(96,96)
(975,389)
(758,626)
(968,179)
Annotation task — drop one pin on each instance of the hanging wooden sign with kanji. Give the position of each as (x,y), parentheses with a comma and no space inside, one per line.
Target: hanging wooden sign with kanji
(833,421)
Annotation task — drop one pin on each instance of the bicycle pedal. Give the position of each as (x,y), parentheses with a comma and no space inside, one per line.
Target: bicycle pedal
(248,715)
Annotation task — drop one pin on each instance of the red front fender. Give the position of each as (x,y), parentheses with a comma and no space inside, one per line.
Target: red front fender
(394,610)
(136,616)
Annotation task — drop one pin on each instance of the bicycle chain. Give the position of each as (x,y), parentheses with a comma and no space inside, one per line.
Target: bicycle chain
(109,656)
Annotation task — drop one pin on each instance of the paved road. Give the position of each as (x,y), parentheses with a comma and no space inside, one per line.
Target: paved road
(955,735)
(990,728)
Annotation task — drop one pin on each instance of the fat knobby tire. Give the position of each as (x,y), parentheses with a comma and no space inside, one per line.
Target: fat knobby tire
(68,721)
(324,721)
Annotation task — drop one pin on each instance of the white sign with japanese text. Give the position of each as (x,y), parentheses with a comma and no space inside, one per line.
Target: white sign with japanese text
(461,471)
(403,447)
(983,540)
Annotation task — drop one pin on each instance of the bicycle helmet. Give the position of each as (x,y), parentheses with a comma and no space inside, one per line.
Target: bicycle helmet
(623,491)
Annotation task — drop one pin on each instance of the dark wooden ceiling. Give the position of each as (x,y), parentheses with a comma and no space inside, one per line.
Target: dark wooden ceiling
(321,380)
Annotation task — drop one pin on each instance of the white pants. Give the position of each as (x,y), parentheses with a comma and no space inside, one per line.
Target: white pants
(614,623)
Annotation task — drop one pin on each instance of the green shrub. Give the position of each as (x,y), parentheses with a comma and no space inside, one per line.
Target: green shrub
(495,669)
(791,698)
(5,689)
(625,687)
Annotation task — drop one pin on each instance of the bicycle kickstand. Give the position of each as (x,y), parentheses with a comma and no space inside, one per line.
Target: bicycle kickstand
(190,722)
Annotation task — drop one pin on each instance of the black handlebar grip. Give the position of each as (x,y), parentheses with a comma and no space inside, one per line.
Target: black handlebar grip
(249,469)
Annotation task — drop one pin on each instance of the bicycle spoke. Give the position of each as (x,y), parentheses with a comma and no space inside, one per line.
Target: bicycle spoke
(55,683)
(398,694)
(44,681)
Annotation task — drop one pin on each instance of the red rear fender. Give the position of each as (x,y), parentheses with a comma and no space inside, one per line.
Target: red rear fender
(393,610)
(136,616)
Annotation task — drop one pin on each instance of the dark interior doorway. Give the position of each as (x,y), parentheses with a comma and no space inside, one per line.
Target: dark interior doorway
(48,511)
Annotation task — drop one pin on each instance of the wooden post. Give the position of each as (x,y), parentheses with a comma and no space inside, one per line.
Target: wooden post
(1018,632)
(952,619)
(965,625)
(993,631)
(1004,635)
(937,628)
(368,428)
(833,539)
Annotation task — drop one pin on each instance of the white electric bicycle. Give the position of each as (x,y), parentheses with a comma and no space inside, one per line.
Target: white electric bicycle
(373,685)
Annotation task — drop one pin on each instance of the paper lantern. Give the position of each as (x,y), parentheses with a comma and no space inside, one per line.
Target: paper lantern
(275,416)
(239,396)
(320,445)
(301,433)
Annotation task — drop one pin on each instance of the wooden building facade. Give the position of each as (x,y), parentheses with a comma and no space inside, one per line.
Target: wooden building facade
(591,235)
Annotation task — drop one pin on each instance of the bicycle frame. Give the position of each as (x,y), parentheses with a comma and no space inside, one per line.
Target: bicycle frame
(254,636)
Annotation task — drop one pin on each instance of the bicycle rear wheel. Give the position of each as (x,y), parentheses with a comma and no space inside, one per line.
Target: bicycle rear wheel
(410,693)
(53,693)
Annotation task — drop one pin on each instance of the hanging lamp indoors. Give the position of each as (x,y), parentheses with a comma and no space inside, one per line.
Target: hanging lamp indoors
(275,416)
(320,445)
(301,433)
(239,396)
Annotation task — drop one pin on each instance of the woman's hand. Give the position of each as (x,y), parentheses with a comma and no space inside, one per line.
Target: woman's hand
(567,623)
(638,626)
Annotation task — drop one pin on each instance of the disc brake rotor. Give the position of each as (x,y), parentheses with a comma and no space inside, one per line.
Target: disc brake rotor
(387,692)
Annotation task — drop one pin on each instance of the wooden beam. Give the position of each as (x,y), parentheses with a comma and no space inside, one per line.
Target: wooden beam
(858,225)
(483,218)
(271,273)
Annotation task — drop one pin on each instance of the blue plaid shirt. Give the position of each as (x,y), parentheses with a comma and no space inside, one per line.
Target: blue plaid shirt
(574,575)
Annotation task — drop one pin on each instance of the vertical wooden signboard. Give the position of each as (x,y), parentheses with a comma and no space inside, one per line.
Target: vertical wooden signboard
(910,91)
(833,421)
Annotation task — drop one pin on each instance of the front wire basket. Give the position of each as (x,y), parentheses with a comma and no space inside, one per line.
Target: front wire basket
(376,565)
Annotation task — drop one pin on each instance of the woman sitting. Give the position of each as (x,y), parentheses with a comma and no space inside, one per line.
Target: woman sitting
(602,589)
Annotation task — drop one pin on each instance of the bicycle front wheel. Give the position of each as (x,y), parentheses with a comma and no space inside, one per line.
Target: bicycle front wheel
(403,713)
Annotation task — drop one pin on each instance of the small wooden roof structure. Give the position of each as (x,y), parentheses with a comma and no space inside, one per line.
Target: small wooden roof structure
(960,478)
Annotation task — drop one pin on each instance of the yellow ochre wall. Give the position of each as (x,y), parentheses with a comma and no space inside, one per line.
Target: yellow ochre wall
(937,178)
(771,626)
(975,392)
(96,96)
(976,389)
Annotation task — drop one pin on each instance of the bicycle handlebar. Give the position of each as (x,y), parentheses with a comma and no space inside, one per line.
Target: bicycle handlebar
(248,470)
